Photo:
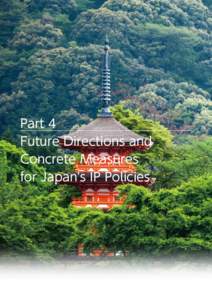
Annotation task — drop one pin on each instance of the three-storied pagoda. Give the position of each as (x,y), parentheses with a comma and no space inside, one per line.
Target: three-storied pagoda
(106,153)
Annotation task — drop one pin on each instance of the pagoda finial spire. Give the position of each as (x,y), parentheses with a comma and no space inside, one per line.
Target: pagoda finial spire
(106,88)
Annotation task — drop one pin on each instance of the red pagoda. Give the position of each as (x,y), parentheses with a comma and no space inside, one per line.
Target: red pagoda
(105,146)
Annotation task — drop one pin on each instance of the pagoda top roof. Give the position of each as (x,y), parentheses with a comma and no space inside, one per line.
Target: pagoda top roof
(104,129)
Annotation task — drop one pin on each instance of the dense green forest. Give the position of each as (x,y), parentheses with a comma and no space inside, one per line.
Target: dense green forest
(51,60)
(161,66)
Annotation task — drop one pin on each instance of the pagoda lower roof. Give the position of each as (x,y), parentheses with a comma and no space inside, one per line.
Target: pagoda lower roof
(102,129)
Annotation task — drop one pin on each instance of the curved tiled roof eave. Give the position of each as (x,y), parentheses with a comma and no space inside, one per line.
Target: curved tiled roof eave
(106,128)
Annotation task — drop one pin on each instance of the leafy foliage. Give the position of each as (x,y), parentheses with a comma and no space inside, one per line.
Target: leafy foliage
(161,137)
(180,106)
(169,221)
(50,59)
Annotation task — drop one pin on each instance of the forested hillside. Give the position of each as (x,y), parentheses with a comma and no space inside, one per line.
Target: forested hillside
(51,60)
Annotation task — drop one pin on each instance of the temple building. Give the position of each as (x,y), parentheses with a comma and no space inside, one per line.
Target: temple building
(106,147)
